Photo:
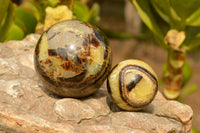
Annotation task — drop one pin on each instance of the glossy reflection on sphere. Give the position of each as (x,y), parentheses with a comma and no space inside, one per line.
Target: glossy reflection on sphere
(72,58)
(132,85)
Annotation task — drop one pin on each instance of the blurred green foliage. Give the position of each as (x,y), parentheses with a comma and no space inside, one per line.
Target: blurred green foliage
(180,15)
(82,12)
(15,22)
(194,130)
(18,21)
(25,20)
(6,19)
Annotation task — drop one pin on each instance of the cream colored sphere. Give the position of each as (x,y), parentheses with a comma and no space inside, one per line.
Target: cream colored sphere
(132,85)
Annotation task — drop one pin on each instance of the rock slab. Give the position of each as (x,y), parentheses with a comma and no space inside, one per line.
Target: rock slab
(27,107)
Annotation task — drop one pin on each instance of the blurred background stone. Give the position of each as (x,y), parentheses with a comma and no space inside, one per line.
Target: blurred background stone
(26,106)
(132,19)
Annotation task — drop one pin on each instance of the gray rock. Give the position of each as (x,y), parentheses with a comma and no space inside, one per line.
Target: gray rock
(26,106)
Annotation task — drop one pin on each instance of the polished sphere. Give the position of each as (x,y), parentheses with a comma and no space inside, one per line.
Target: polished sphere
(72,58)
(132,85)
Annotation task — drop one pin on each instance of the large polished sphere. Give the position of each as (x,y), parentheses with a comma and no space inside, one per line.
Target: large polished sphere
(72,58)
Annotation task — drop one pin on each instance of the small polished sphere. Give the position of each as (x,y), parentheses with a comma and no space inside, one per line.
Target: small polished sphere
(132,85)
(72,58)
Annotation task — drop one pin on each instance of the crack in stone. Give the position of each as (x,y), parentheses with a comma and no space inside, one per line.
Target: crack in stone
(171,117)
(93,118)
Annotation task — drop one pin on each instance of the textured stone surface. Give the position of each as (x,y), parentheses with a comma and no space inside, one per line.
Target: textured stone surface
(73,109)
(26,106)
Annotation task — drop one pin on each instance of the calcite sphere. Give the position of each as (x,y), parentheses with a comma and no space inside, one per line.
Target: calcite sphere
(132,85)
(72,58)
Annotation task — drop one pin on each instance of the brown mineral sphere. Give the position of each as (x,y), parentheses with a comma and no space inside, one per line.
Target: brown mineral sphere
(72,58)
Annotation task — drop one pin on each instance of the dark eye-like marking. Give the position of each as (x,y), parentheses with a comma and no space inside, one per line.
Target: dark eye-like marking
(126,88)
(131,85)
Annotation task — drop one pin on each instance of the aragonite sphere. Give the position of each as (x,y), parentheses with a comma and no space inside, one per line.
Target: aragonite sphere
(72,58)
(132,85)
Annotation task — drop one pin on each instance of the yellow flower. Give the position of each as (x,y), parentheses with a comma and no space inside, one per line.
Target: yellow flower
(54,15)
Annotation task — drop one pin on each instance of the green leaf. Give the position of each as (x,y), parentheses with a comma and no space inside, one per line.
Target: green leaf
(145,12)
(28,19)
(194,130)
(5,27)
(165,73)
(189,91)
(53,3)
(191,33)
(3,7)
(180,99)
(164,67)
(40,6)
(187,74)
(184,8)
(16,33)
(20,23)
(116,34)
(162,7)
(81,11)
(193,43)
(166,12)
(68,3)
(93,16)
(194,19)
(30,6)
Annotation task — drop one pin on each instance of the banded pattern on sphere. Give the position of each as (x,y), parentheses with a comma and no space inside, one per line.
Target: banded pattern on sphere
(132,84)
